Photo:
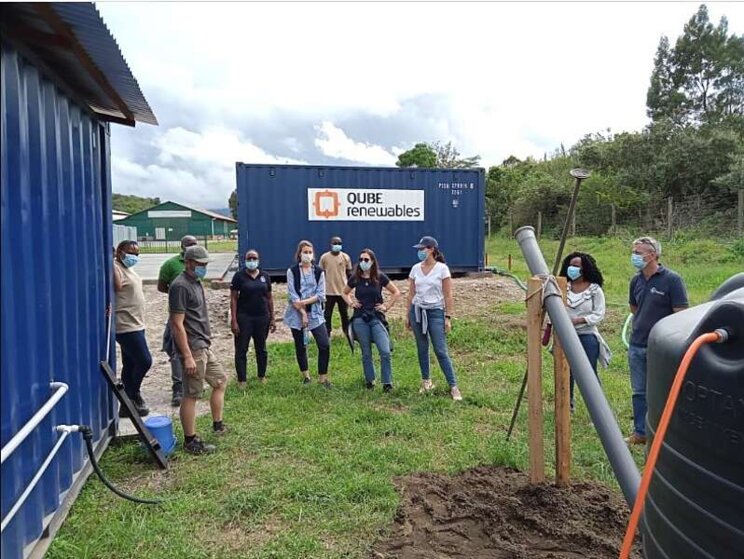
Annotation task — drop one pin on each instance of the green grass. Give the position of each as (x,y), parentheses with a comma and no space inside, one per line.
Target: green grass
(310,473)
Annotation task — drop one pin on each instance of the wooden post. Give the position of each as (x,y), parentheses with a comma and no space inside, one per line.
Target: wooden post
(509,263)
(613,227)
(489,226)
(539,225)
(534,380)
(670,209)
(562,408)
(740,219)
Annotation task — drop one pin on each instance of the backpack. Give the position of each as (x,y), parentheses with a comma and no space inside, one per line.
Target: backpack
(317,272)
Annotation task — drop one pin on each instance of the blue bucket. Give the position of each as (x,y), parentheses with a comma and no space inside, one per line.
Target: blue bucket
(161,428)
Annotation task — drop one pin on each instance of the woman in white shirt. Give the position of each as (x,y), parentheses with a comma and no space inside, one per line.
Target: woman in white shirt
(585,303)
(429,303)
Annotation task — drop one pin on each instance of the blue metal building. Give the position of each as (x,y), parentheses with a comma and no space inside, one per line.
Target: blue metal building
(63,81)
(382,208)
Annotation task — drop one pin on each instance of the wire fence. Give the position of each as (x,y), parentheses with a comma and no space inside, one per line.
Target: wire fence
(710,216)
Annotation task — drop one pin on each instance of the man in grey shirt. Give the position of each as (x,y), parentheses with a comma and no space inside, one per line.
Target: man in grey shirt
(189,321)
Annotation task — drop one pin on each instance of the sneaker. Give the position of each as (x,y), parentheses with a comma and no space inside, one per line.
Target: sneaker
(426,386)
(221,431)
(141,406)
(176,400)
(387,387)
(635,438)
(196,446)
(242,385)
(262,380)
(327,384)
(307,380)
(123,412)
(369,385)
(455,393)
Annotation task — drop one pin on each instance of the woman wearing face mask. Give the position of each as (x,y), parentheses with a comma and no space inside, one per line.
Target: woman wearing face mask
(252,311)
(130,324)
(304,314)
(369,306)
(585,303)
(430,304)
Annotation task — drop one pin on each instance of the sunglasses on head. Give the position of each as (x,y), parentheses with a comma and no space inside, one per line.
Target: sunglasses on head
(364,259)
(251,257)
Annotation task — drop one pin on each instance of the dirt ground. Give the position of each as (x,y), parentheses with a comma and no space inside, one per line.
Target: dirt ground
(495,513)
(474,298)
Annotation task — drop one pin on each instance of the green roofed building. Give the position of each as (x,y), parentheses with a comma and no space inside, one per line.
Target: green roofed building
(170,221)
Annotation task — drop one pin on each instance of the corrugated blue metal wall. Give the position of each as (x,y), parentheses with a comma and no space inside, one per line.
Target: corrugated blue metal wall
(56,269)
(273,213)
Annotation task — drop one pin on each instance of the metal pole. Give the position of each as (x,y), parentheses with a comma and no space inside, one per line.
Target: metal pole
(600,412)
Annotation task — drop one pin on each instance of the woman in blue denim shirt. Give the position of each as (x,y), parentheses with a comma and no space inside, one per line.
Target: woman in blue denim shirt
(429,303)
(304,314)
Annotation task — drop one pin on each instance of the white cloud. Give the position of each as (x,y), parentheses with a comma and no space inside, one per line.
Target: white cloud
(333,142)
(514,78)
(195,168)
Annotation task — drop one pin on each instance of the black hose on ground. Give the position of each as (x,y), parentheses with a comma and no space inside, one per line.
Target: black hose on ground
(88,436)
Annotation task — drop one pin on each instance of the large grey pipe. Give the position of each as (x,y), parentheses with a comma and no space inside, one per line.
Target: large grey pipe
(617,451)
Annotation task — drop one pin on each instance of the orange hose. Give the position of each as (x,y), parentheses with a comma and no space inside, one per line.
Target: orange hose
(653,453)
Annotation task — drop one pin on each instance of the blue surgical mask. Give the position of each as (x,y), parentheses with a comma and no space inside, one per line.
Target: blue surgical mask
(365,266)
(130,260)
(251,264)
(638,262)
(422,254)
(336,248)
(200,271)
(573,272)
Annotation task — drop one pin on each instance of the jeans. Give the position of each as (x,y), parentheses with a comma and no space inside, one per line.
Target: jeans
(367,333)
(590,343)
(256,327)
(343,310)
(135,360)
(324,348)
(176,364)
(438,341)
(637,365)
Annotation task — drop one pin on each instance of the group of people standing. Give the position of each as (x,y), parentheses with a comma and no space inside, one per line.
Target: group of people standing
(313,290)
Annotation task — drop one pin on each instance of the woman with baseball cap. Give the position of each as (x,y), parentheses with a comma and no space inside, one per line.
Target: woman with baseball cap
(429,303)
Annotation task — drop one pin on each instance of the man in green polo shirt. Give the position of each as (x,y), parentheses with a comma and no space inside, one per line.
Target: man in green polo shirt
(169,271)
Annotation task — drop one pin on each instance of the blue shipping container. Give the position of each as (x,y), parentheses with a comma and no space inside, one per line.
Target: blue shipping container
(56,284)
(385,209)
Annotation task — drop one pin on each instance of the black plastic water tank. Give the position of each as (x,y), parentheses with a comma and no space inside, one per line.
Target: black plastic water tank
(695,505)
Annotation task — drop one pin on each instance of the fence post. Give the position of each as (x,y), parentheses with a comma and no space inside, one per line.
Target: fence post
(740,220)
(539,225)
(670,209)
(562,408)
(613,227)
(534,380)
(489,226)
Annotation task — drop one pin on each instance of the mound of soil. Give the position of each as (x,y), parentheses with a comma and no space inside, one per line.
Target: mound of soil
(495,513)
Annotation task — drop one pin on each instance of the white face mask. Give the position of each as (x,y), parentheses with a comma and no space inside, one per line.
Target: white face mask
(306,257)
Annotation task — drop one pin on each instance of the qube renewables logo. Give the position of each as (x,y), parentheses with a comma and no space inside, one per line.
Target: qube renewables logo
(364,204)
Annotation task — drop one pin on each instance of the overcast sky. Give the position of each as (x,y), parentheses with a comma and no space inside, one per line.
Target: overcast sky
(356,84)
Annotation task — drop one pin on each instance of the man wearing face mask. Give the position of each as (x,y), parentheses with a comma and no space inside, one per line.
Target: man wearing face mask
(337,267)
(655,292)
(169,271)
(130,324)
(189,320)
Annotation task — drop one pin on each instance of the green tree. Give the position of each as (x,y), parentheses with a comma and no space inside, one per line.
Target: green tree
(232,202)
(132,204)
(701,79)
(421,155)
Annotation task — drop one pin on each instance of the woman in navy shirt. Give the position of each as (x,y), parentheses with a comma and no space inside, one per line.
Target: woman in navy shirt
(369,307)
(252,311)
